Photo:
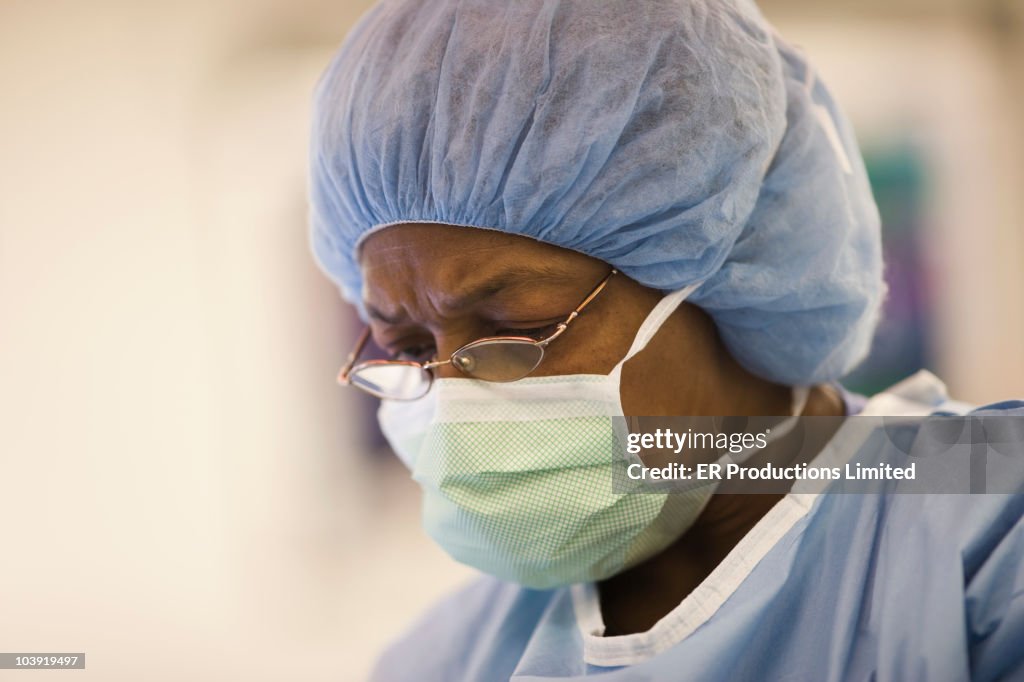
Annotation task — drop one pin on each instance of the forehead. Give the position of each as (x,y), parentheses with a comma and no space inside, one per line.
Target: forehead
(447,257)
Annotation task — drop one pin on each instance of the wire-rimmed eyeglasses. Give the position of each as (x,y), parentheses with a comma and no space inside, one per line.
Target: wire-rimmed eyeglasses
(493,358)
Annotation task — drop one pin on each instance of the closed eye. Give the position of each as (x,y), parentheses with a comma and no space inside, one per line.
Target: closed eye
(536,333)
(421,353)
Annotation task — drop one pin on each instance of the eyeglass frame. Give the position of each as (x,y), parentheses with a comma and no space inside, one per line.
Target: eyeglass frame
(350,367)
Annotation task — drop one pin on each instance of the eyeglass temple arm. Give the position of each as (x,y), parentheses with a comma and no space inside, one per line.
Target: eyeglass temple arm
(593,294)
(579,309)
(351,359)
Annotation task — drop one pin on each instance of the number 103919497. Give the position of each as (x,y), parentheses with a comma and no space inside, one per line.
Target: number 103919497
(10,661)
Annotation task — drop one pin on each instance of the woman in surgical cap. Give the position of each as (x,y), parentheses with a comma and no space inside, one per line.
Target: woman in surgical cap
(553,214)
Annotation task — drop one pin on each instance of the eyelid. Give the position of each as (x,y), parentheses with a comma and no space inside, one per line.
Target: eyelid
(531,324)
(405,339)
(424,355)
(396,346)
(534,331)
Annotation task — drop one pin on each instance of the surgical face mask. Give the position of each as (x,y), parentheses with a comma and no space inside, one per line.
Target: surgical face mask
(517,477)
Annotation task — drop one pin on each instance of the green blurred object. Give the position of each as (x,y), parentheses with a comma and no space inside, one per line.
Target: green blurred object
(902,343)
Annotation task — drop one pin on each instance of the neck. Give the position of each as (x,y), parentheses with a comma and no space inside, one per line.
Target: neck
(634,600)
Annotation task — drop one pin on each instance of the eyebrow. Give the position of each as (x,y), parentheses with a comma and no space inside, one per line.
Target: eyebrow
(512,277)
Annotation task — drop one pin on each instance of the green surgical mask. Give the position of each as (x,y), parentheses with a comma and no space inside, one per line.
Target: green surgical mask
(517,477)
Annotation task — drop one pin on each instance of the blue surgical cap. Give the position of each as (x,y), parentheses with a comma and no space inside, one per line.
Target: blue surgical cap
(681,141)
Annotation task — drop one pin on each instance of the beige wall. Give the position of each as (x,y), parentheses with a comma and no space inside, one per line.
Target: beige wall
(181,491)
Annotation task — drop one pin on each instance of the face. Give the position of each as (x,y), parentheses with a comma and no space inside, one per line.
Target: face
(430,289)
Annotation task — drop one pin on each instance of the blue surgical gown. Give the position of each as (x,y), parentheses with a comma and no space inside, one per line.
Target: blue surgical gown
(825,587)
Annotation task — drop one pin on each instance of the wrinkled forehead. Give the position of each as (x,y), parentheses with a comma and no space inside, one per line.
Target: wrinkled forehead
(446,252)
(401,260)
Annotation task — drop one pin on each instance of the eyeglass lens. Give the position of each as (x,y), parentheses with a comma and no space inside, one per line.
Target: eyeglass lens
(498,360)
(385,380)
(493,360)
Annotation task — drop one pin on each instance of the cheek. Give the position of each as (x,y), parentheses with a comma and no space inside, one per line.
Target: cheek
(585,349)
(600,337)
(661,379)
(566,359)
(643,392)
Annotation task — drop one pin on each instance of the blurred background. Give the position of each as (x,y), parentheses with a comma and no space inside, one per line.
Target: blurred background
(184,492)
